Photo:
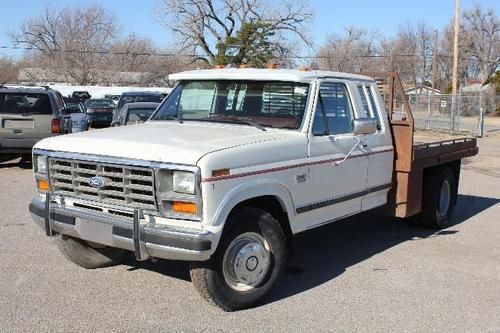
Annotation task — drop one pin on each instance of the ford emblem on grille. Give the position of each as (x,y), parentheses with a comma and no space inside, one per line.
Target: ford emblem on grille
(97,181)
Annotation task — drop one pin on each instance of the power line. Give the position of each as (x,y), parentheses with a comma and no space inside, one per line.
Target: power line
(26,48)
(193,55)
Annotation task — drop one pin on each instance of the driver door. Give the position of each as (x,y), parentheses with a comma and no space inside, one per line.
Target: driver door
(338,166)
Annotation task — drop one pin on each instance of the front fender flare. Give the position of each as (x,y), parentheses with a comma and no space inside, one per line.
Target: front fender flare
(252,190)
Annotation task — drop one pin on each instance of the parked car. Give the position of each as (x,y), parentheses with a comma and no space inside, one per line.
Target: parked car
(28,115)
(78,115)
(100,112)
(135,113)
(115,98)
(81,95)
(232,165)
(137,96)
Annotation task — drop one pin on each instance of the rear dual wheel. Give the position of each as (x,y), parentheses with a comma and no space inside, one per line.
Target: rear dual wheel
(439,198)
(249,260)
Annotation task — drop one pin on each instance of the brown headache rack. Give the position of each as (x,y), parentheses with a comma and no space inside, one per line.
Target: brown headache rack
(412,159)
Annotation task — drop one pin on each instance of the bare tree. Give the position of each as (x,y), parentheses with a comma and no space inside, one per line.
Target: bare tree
(8,71)
(130,56)
(352,52)
(71,40)
(137,60)
(410,53)
(445,57)
(202,24)
(482,40)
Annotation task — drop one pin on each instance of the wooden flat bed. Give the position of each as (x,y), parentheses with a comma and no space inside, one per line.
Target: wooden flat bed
(439,152)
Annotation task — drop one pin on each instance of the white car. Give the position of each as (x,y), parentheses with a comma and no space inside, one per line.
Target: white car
(231,166)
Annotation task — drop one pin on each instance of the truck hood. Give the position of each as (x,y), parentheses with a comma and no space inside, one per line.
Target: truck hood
(161,141)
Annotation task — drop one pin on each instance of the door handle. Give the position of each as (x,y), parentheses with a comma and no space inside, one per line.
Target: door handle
(358,143)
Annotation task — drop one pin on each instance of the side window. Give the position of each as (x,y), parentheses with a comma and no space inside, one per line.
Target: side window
(374,111)
(57,102)
(319,123)
(368,103)
(333,111)
(365,111)
(60,105)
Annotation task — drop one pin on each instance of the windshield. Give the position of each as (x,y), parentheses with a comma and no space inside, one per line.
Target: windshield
(139,115)
(21,103)
(80,94)
(267,103)
(74,107)
(100,103)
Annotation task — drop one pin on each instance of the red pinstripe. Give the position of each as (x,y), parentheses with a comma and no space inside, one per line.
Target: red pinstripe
(258,172)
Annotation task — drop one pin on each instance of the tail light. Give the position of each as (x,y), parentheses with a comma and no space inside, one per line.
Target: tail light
(56,126)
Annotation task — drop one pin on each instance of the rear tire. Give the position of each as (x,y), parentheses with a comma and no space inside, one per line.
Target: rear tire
(249,260)
(439,198)
(85,255)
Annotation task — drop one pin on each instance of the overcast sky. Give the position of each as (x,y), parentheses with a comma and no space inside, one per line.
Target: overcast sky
(330,15)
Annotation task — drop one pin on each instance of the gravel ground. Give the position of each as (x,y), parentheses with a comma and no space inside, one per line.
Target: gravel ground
(368,273)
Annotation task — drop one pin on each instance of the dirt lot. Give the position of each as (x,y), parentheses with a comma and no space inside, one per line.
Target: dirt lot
(368,273)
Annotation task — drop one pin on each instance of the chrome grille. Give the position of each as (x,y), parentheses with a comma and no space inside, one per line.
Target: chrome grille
(127,186)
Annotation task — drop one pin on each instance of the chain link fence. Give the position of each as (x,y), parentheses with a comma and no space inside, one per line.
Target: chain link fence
(449,113)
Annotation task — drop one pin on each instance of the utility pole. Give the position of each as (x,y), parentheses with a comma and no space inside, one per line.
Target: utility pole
(455,64)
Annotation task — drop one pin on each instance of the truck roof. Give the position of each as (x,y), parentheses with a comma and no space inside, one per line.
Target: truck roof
(255,74)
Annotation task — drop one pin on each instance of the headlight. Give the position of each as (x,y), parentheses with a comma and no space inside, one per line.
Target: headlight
(41,164)
(179,194)
(184,182)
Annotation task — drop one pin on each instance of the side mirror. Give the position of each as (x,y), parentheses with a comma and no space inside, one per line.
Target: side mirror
(364,126)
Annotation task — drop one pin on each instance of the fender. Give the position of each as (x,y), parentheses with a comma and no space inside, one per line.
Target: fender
(249,190)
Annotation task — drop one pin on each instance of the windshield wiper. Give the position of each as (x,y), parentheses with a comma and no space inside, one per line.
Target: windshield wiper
(239,119)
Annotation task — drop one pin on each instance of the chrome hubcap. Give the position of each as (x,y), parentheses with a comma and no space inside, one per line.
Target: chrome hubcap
(444,198)
(246,261)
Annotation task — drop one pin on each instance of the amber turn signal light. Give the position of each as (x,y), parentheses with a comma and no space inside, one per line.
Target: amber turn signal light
(220,172)
(43,185)
(184,207)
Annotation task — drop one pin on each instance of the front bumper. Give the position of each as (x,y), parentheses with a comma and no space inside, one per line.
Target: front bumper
(146,239)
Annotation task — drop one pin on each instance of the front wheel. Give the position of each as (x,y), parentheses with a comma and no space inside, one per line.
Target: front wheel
(249,259)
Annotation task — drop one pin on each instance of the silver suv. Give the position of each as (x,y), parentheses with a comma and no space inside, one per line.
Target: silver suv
(28,115)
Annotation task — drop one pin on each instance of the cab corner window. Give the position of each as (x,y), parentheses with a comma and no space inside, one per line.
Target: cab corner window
(365,110)
(333,110)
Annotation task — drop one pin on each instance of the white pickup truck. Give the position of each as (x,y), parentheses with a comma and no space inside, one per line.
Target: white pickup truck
(232,165)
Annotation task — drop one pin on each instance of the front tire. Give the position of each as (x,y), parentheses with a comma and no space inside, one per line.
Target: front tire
(440,192)
(249,260)
(89,255)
